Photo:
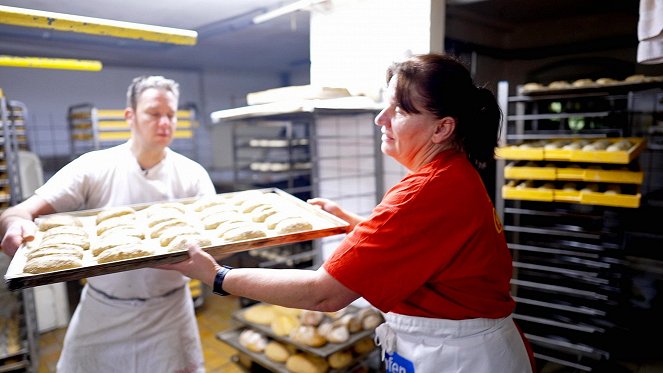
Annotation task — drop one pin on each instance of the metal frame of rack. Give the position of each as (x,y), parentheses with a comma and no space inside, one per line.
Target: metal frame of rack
(570,274)
(24,356)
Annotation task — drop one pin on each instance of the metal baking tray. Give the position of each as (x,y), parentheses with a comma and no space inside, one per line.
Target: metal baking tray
(323,351)
(324,224)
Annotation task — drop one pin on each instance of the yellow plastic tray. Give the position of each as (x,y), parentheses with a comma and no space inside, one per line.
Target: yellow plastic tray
(573,173)
(585,198)
(515,152)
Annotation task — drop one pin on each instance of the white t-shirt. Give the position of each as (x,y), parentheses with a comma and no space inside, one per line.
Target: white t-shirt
(113,177)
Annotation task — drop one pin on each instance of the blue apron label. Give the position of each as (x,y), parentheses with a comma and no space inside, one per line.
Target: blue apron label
(396,363)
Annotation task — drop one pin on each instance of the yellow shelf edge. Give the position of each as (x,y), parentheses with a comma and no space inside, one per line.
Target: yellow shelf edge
(95,26)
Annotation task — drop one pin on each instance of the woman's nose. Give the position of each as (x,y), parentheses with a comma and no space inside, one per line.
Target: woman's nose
(380,118)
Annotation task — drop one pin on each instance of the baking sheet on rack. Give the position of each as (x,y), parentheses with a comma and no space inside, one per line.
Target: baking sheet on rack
(324,224)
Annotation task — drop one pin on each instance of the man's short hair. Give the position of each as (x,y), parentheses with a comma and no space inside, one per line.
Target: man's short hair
(141,83)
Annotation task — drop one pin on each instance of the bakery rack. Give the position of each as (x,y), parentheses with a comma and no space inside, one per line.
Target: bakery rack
(92,128)
(361,362)
(564,211)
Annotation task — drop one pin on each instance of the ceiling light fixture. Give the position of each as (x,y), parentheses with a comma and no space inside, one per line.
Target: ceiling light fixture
(96,26)
(50,63)
(286,9)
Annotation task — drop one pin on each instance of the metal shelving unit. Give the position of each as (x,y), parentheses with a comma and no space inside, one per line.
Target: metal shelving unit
(572,278)
(18,315)
(91,128)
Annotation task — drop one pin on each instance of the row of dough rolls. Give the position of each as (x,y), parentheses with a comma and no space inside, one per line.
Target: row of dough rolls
(124,232)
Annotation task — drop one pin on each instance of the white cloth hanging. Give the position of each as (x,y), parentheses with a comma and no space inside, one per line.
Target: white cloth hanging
(650,32)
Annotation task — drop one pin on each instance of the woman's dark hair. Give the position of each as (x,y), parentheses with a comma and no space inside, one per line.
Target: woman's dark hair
(443,86)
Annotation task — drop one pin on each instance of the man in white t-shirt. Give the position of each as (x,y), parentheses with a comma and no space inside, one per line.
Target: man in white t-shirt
(141,320)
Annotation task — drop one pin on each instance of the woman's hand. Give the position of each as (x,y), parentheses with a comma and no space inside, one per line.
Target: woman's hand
(336,210)
(200,265)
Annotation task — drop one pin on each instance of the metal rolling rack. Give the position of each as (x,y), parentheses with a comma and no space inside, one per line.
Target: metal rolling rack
(571,278)
(18,316)
(319,151)
(92,128)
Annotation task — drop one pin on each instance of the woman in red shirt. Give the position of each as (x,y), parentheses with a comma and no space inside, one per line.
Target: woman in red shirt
(432,256)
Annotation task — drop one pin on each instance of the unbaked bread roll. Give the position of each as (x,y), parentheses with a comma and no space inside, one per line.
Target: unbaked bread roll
(70,239)
(581,83)
(180,244)
(123,252)
(163,217)
(174,232)
(260,213)
(125,230)
(114,212)
(164,208)
(158,229)
(277,352)
(244,232)
(306,363)
(52,221)
(214,220)
(114,222)
(272,220)
(66,229)
(111,241)
(74,250)
(292,225)
(50,263)
(559,84)
(216,209)
(207,202)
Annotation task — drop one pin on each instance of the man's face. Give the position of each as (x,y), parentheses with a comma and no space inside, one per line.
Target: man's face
(154,120)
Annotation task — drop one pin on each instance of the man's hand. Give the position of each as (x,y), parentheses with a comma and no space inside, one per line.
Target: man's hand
(19,231)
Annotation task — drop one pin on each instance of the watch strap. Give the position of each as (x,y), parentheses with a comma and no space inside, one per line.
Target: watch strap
(218,281)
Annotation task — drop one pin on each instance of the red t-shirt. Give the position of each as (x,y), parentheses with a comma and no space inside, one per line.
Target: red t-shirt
(434,247)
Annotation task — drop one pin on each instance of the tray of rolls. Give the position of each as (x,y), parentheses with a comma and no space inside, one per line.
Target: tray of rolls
(619,150)
(71,246)
(586,193)
(287,339)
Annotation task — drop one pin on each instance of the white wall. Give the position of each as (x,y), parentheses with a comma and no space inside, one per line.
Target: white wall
(48,93)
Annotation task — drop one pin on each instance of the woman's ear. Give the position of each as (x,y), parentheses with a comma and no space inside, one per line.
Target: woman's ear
(444,129)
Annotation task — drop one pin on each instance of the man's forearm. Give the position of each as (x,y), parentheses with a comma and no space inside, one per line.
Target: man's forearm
(10,215)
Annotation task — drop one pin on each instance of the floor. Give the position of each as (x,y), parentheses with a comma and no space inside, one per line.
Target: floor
(214,315)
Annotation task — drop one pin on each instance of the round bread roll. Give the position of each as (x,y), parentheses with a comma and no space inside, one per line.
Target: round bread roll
(308,335)
(260,314)
(292,225)
(50,263)
(277,352)
(364,345)
(306,363)
(252,340)
(580,83)
(340,359)
(532,87)
(66,229)
(606,81)
(123,252)
(559,84)
(337,333)
(52,221)
(114,212)
(244,232)
(283,325)
(309,317)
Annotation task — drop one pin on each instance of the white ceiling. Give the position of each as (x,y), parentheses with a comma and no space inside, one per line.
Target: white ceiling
(227,38)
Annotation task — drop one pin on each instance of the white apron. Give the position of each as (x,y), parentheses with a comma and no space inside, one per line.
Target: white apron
(425,345)
(159,334)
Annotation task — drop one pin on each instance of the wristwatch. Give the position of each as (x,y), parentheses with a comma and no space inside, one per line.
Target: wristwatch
(218,281)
